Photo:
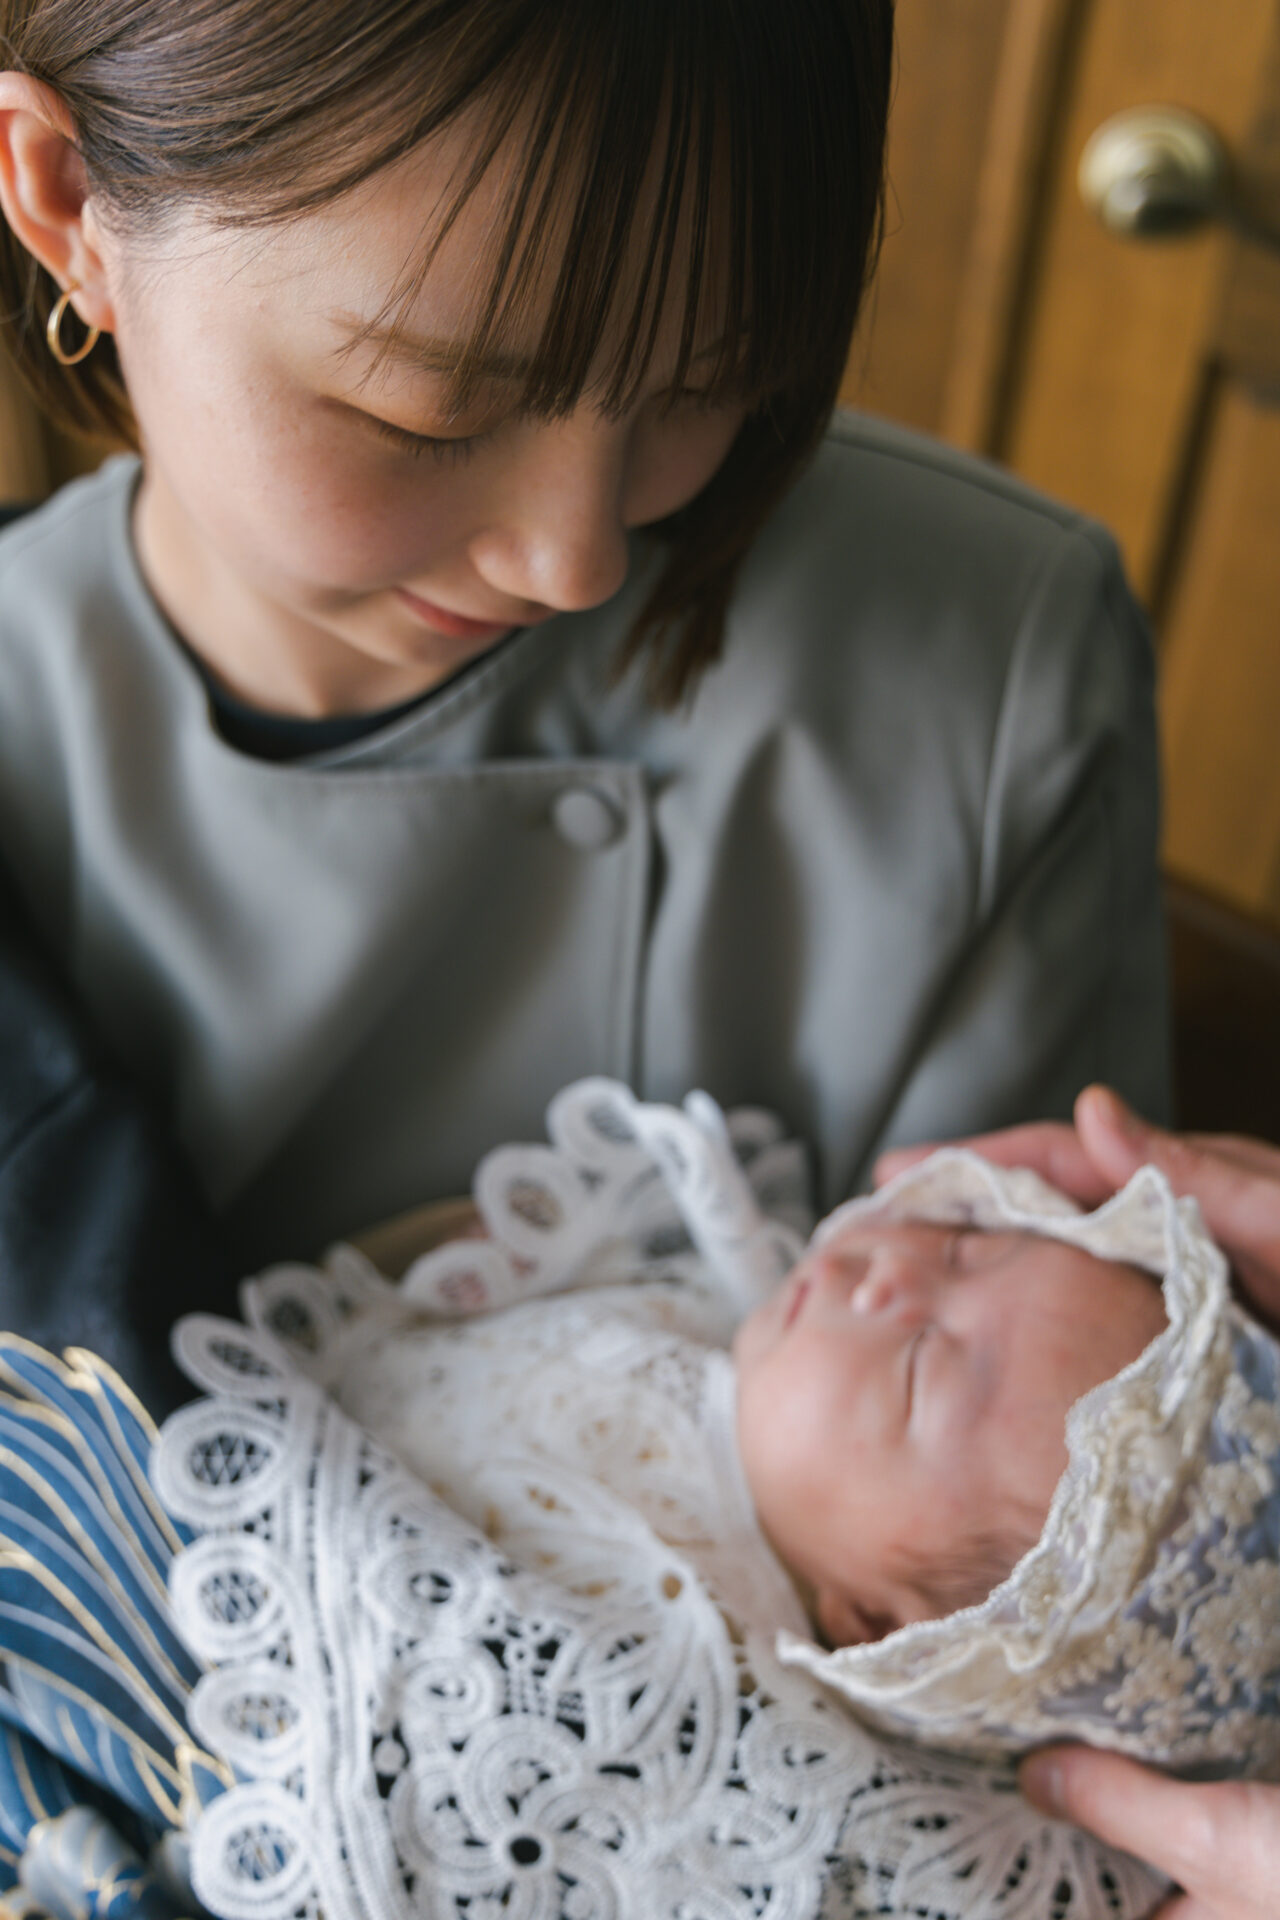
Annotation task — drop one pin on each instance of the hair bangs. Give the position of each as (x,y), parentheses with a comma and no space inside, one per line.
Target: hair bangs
(648,197)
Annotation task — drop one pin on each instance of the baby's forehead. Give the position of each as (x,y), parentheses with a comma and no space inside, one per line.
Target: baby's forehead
(967,1244)
(871,1228)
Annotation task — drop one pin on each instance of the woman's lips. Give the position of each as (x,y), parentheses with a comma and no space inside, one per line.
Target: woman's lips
(455,626)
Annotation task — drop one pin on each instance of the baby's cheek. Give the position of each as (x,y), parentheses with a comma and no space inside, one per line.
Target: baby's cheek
(1028,1456)
(749,1341)
(772,1448)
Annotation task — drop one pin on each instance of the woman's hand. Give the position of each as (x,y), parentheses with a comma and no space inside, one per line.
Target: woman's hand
(1220,1843)
(1236,1181)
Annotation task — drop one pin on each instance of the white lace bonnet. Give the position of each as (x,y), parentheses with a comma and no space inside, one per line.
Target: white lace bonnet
(1147,1616)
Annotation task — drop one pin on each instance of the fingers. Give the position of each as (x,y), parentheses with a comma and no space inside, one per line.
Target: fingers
(1221,1842)
(898,1159)
(1116,1140)
(1230,1176)
(1254,1156)
(1050,1147)
(1235,1181)
(1116,1799)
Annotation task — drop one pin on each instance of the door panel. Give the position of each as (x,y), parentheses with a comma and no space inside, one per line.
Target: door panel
(945,81)
(24,464)
(1115,336)
(1220,666)
(1139,380)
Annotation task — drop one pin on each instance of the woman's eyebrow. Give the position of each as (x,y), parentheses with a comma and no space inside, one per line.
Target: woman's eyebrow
(435,353)
(432,353)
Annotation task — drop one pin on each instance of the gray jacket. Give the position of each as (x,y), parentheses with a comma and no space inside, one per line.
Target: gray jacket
(891,872)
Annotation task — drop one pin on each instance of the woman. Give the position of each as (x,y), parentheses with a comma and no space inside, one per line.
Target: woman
(491,673)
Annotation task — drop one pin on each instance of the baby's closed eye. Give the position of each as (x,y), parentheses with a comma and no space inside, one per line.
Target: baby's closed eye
(972,1248)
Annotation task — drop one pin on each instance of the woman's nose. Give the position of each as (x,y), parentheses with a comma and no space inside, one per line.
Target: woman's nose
(560,540)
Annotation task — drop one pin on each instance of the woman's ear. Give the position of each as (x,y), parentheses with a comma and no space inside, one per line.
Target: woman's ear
(844,1623)
(44,191)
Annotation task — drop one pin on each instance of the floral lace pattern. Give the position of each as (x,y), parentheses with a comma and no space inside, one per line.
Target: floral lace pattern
(625,1182)
(554,1691)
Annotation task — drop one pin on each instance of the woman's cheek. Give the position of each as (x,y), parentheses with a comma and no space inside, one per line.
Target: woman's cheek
(674,459)
(349,517)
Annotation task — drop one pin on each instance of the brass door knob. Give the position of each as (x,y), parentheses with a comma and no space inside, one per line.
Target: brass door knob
(1153,172)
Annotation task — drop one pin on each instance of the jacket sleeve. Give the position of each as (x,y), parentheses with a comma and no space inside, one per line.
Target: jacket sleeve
(1064,979)
(104,1237)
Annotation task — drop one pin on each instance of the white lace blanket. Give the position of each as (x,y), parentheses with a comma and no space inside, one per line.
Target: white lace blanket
(552,1691)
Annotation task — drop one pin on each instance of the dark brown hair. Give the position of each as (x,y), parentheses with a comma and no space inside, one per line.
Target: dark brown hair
(756,126)
(969,1571)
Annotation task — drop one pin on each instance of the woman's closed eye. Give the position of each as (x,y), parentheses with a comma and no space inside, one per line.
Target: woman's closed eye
(695,399)
(453,449)
(437,447)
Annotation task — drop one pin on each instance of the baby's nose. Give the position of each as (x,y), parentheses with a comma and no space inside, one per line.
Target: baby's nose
(894,1285)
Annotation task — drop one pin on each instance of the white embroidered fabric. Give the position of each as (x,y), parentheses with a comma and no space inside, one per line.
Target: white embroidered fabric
(516,1654)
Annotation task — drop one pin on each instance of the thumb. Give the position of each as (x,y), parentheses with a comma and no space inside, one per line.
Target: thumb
(1220,1842)
(1241,1206)
(1116,1139)
(1115,1798)
(1236,1183)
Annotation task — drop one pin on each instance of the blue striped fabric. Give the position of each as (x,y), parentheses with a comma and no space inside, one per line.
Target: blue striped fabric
(96,1764)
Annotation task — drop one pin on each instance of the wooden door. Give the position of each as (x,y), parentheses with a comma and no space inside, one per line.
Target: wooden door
(1137,379)
(25,472)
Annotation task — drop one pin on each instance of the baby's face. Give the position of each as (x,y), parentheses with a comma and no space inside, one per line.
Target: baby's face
(907,1389)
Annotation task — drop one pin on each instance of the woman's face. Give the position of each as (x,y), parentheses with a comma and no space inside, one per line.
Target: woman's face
(316,524)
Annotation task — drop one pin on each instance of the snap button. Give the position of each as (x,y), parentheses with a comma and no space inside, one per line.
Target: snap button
(585,819)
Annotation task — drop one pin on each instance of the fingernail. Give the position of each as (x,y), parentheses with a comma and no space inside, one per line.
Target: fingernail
(1114,1113)
(1041,1780)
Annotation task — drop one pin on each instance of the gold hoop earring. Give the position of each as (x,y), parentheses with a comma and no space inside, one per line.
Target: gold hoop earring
(54,329)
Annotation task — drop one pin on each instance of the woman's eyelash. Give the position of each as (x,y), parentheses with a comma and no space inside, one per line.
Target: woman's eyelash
(450,452)
(453,452)
(701,399)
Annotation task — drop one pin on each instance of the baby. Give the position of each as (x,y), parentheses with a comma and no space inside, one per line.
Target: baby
(901,1394)
(898,1397)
